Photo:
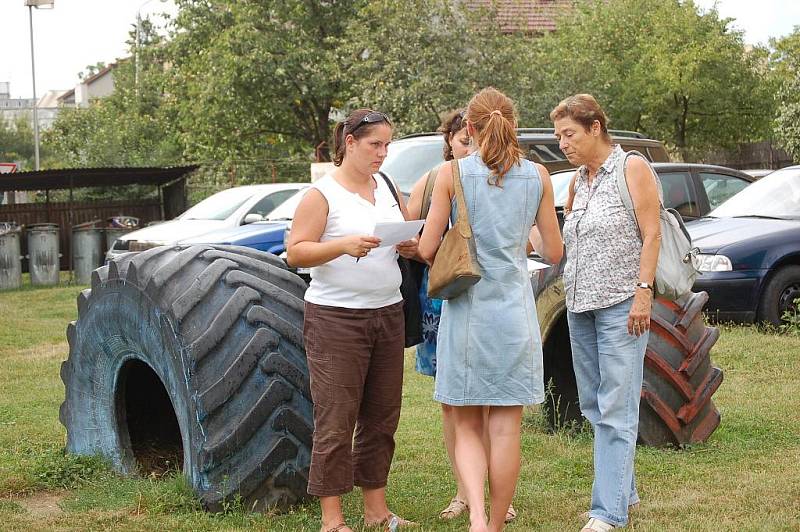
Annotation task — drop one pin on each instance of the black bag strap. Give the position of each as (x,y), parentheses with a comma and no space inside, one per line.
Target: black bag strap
(394,192)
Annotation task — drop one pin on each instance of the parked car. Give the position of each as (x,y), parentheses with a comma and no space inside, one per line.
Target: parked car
(758,173)
(693,190)
(266,235)
(411,156)
(750,250)
(227,209)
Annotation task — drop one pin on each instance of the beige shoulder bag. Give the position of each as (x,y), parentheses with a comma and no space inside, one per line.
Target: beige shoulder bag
(455,267)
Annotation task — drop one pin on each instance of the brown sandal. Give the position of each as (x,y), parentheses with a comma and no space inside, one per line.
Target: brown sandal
(511,514)
(337,528)
(391,523)
(454,509)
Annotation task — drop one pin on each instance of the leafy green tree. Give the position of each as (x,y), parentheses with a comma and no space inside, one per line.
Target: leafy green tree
(786,67)
(16,142)
(664,68)
(130,127)
(255,80)
(419,58)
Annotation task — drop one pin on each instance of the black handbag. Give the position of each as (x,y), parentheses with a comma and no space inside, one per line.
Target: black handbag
(409,288)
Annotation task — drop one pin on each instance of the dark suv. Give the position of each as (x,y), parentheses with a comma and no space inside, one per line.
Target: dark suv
(411,156)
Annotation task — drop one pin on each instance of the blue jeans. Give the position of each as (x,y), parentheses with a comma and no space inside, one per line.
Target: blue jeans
(608,366)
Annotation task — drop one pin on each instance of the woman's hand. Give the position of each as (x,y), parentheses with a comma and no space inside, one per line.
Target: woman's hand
(359,245)
(408,248)
(639,316)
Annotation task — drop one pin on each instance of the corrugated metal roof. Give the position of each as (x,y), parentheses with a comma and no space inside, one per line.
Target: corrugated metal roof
(529,16)
(92,177)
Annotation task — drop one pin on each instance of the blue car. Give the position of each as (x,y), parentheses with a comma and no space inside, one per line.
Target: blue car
(267,235)
(750,251)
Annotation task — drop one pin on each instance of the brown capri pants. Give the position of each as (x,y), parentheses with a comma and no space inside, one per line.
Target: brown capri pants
(355,360)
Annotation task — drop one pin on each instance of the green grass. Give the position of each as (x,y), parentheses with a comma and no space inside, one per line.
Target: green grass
(746,477)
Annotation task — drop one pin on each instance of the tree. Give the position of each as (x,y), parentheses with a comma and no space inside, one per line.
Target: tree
(264,73)
(16,141)
(130,127)
(664,68)
(420,58)
(786,68)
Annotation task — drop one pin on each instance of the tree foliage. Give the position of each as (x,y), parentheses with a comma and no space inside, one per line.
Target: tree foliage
(245,86)
(16,142)
(786,67)
(134,126)
(664,68)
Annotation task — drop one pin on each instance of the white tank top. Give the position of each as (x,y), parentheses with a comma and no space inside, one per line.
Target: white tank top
(373,281)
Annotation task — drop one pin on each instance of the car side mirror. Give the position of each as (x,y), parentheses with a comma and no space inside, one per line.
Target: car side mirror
(251,218)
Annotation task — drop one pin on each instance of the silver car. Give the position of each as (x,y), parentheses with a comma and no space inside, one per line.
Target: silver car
(229,208)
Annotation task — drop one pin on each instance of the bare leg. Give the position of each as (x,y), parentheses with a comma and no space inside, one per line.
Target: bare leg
(487,444)
(449,429)
(332,515)
(375,508)
(504,460)
(471,461)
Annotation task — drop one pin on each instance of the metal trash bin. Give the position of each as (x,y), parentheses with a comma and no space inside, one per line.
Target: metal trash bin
(87,250)
(118,226)
(43,256)
(10,256)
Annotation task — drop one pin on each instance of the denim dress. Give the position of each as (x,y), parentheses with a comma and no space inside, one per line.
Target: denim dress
(489,345)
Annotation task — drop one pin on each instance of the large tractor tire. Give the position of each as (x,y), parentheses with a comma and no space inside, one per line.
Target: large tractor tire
(679,379)
(193,357)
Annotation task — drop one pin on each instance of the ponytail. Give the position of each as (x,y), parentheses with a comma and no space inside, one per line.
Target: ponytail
(338,144)
(493,115)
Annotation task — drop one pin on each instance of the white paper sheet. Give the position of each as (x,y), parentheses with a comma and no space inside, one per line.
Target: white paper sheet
(392,233)
(534,265)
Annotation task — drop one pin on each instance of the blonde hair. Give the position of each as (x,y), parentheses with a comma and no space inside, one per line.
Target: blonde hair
(493,115)
(583,109)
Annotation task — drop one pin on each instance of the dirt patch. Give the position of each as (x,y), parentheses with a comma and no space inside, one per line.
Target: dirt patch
(42,504)
(40,352)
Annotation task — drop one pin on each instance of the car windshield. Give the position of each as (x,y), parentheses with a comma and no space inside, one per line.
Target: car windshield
(285,211)
(560,182)
(220,205)
(774,196)
(408,160)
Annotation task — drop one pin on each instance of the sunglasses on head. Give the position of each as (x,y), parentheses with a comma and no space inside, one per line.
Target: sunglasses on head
(373,117)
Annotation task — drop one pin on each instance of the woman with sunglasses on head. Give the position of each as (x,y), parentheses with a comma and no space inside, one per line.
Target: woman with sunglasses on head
(457,144)
(354,324)
(489,351)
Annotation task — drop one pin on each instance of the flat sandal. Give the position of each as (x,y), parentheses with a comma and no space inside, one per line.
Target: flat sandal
(454,509)
(392,522)
(336,528)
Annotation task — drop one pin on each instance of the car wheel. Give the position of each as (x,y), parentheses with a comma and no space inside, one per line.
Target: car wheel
(193,358)
(779,295)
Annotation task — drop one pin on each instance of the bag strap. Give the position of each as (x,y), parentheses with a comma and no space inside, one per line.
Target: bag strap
(428,192)
(462,216)
(624,191)
(391,187)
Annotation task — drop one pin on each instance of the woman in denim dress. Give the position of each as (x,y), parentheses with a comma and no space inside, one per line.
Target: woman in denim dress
(457,144)
(489,351)
(608,277)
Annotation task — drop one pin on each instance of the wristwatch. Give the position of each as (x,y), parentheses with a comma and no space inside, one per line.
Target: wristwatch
(646,286)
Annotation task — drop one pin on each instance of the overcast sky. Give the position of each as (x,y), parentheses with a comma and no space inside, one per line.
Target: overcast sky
(77,33)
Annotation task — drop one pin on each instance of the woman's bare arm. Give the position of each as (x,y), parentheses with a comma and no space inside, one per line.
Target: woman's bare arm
(304,249)
(438,216)
(546,236)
